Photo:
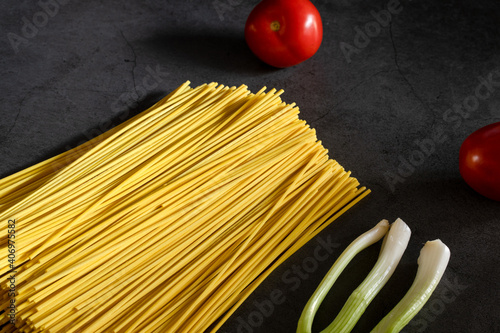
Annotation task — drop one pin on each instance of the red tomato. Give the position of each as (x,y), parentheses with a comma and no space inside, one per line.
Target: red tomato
(283,33)
(479,161)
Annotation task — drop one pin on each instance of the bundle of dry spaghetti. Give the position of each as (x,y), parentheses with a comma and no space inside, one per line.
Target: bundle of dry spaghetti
(169,221)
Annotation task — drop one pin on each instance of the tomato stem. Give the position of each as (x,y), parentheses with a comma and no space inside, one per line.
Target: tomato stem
(275,26)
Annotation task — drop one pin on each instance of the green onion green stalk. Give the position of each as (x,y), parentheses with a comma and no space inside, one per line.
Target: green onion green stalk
(362,242)
(393,247)
(432,262)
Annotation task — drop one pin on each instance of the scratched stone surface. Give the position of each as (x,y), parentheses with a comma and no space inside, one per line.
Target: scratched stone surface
(393,91)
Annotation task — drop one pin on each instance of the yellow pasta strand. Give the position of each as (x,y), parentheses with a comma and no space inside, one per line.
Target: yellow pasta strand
(169,221)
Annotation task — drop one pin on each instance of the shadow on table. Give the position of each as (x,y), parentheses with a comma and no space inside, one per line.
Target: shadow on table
(106,124)
(213,50)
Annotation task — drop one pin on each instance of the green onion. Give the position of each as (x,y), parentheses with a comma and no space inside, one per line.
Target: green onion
(393,247)
(368,238)
(432,262)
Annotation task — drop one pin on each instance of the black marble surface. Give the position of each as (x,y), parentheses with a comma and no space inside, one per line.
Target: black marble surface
(394,111)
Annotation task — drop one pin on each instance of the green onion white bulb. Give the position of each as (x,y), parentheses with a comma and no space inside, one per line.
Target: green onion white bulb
(432,262)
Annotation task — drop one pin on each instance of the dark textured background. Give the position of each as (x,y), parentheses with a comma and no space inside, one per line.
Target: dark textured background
(83,71)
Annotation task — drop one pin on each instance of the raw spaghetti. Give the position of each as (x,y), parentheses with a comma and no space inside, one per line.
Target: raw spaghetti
(169,221)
